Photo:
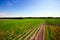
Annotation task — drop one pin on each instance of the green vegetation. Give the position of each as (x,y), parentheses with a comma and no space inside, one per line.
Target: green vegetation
(53,29)
(53,21)
(24,29)
(18,28)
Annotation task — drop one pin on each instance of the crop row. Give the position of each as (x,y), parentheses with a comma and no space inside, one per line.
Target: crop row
(18,29)
(52,32)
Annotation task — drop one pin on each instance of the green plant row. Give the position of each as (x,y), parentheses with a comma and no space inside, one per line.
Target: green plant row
(11,28)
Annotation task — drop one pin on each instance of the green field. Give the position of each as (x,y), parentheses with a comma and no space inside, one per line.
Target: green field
(25,28)
(15,29)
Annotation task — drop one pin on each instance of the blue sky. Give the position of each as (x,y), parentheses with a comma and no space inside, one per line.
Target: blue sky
(29,8)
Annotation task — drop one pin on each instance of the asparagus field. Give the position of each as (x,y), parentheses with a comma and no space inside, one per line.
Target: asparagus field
(29,29)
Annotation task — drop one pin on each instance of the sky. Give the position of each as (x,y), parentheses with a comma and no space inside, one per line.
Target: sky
(29,8)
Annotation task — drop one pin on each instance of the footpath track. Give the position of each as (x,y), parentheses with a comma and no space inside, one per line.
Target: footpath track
(41,33)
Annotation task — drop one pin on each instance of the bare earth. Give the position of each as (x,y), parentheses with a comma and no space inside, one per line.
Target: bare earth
(41,34)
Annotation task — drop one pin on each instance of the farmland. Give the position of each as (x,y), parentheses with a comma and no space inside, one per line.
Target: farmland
(18,29)
(26,29)
(53,29)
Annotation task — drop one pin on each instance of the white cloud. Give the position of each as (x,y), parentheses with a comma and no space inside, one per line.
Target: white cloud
(2,14)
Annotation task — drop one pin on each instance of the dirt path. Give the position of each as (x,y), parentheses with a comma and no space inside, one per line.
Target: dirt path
(41,34)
